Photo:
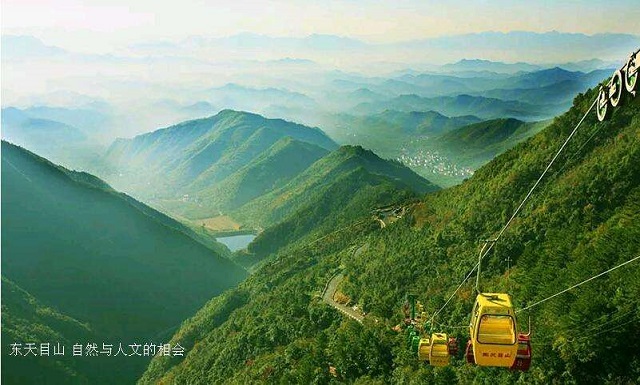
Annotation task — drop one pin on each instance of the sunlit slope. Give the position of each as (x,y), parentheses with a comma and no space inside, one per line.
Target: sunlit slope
(308,187)
(269,171)
(196,154)
(475,144)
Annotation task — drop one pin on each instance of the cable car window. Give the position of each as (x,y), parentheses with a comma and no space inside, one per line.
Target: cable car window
(496,329)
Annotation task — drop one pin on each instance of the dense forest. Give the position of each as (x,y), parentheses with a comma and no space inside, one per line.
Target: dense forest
(274,328)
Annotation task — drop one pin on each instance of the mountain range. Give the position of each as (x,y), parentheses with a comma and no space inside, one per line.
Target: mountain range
(83,262)
(581,221)
(507,46)
(388,131)
(196,154)
(258,171)
(329,171)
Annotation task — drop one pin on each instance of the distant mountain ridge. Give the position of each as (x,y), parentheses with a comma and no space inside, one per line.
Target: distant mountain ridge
(196,154)
(387,131)
(462,104)
(21,128)
(67,136)
(488,65)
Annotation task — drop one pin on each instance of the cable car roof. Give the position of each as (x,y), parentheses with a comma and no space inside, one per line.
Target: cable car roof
(493,300)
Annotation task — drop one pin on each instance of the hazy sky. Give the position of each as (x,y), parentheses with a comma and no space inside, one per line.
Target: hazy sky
(101,25)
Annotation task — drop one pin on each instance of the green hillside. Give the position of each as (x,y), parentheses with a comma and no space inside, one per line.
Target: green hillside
(307,188)
(582,220)
(351,195)
(100,257)
(388,131)
(194,155)
(346,183)
(270,170)
(451,157)
(476,144)
(483,134)
(24,319)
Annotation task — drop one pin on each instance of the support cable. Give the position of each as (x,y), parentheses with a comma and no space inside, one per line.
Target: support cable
(517,211)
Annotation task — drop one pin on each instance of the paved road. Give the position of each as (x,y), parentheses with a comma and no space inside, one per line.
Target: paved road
(328,298)
(330,291)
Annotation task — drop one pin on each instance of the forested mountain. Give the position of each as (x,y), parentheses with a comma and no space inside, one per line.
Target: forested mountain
(196,155)
(328,195)
(25,319)
(390,130)
(270,170)
(476,144)
(310,186)
(582,220)
(109,268)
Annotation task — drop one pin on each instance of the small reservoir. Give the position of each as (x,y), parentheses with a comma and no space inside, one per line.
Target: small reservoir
(236,242)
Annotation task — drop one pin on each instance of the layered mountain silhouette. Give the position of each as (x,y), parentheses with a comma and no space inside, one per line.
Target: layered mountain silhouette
(196,154)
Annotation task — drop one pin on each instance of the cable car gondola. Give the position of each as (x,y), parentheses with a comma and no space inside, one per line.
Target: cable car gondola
(453,346)
(439,350)
(523,357)
(424,349)
(493,331)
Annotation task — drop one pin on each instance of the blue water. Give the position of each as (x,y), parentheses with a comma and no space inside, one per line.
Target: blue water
(236,242)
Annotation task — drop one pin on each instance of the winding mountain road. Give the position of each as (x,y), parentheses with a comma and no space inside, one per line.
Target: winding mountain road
(330,291)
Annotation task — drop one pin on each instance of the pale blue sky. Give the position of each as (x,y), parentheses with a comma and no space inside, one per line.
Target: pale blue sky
(100,25)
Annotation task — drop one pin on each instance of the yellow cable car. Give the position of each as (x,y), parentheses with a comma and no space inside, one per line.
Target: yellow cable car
(439,350)
(493,331)
(424,347)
